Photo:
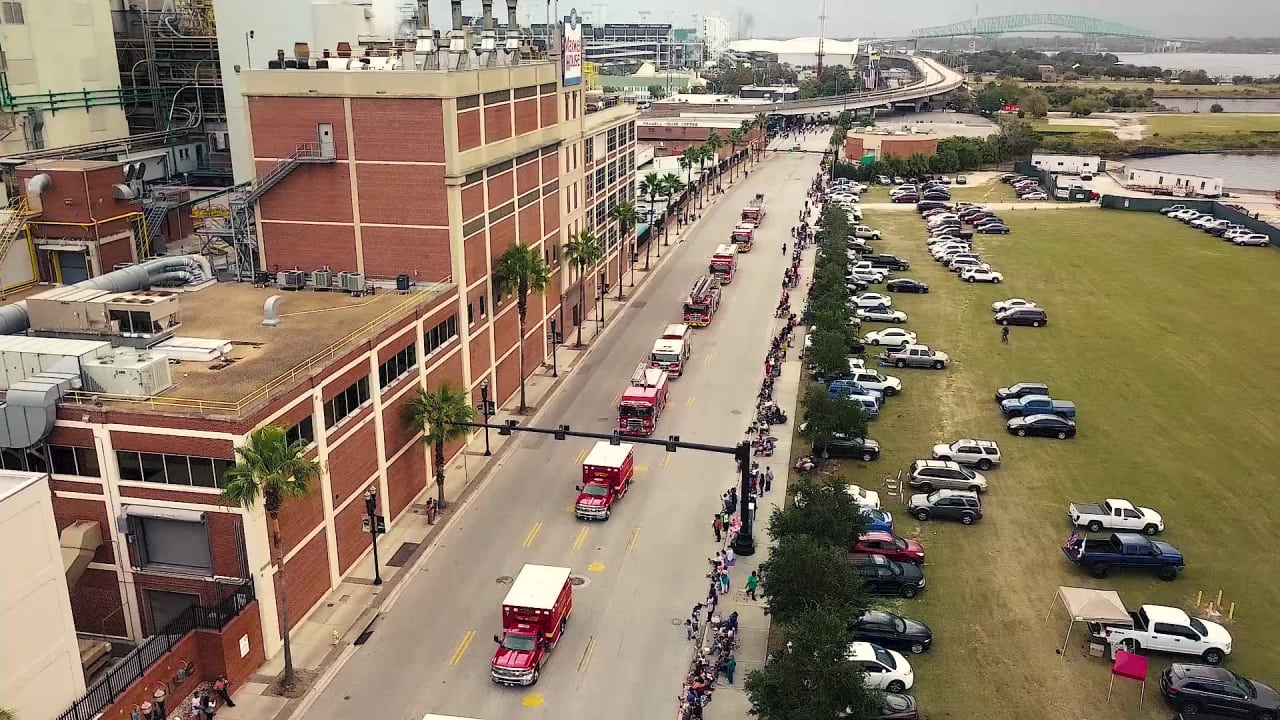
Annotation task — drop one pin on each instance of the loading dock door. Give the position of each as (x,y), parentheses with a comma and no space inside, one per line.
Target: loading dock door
(73,266)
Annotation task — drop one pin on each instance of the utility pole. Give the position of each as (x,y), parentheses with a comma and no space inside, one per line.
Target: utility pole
(822,33)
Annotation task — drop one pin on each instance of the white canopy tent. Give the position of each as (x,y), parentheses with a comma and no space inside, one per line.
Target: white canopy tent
(1087,605)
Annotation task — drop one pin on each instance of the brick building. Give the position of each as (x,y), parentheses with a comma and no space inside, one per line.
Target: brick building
(671,136)
(433,174)
(856,146)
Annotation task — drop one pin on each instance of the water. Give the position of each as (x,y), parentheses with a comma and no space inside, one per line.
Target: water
(1259,172)
(1231,105)
(1229,64)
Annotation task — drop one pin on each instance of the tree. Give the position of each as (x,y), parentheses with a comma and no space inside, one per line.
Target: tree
(803,574)
(829,352)
(690,157)
(521,270)
(713,143)
(829,514)
(762,124)
(1216,108)
(1035,102)
(826,418)
(672,186)
(627,216)
(276,470)
(440,414)
(651,186)
(582,251)
(657,92)
(736,140)
(813,676)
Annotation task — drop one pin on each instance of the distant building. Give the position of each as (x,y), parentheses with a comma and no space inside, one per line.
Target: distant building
(803,52)
(715,37)
(1069,164)
(1161,182)
(656,43)
(1048,73)
(672,135)
(772,93)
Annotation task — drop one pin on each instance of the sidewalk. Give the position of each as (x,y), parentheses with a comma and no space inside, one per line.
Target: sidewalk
(348,610)
(731,701)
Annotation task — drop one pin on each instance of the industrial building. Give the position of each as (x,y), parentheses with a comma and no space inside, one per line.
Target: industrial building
(390,179)
(629,44)
(673,135)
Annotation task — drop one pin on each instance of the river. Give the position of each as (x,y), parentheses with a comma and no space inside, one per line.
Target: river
(1231,105)
(1258,65)
(1258,172)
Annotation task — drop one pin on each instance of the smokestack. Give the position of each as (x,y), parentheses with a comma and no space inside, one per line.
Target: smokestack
(487,6)
(513,30)
(424,16)
(456,7)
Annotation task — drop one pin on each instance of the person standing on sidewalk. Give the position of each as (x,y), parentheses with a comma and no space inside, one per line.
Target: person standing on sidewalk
(730,666)
(222,686)
(717,525)
(753,581)
(768,479)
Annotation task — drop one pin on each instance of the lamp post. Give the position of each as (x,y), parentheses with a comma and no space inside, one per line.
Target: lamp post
(371,507)
(484,410)
(745,543)
(554,343)
(248,55)
(604,288)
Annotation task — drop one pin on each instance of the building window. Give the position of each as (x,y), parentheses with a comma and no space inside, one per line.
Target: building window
(612,140)
(346,402)
(483,311)
(172,469)
(466,102)
(471,315)
(12,13)
(173,545)
(68,460)
(588,151)
(304,432)
(30,459)
(398,365)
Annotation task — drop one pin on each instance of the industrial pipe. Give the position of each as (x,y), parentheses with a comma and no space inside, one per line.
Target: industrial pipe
(456,7)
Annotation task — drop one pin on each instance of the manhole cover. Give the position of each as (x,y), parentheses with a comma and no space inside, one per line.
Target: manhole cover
(576,580)
(505,580)
(735,412)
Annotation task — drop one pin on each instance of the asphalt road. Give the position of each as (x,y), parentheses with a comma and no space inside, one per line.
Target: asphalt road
(623,655)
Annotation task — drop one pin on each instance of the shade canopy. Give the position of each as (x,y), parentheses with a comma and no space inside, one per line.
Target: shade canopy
(1129,665)
(1086,605)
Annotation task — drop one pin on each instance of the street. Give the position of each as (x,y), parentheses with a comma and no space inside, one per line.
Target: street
(624,653)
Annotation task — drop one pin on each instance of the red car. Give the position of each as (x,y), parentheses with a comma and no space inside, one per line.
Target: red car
(891,546)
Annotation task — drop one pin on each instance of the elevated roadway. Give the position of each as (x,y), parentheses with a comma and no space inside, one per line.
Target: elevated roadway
(935,80)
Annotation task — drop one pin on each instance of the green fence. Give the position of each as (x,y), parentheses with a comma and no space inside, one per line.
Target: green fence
(1213,207)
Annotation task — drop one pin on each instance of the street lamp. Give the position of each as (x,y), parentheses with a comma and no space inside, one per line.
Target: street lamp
(604,288)
(745,542)
(554,343)
(371,507)
(248,55)
(484,410)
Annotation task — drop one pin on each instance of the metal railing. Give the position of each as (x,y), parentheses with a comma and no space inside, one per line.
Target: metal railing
(134,666)
(285,381)
(18,211)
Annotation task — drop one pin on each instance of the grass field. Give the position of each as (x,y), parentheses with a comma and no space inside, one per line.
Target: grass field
(1044,126)
(1168,90)
(1168,341)
(1181,123)
(994,191)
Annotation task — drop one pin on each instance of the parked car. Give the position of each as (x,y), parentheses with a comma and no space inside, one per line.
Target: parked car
(1036,196)
(993,229)
(1123,550)
(984,454)
(1044,425)
(962,505)
(1171,630)
(864,449)
(849,388)
(891,546)
(1037,405)
(878,519)
(1220,230)
(1255,239)
(881,313)
(1011,303)
(892,337)
(1196,689)
(928,475)
(981,274)
(882,576)
(872,300)
(887,385)
(874,277)
(1035,317)
(906,285)
(865,233)
(890,630)
(889,262)
(962,180)
(864,498)
(932,204)
(1022,389)
(882,669)
(906,198)
(959,264)
(1115,514)
(1172,209)
(920,356)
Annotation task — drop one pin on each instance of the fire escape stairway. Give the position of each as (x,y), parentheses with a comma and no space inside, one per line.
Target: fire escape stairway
(153,216)
(242,208)
(11,227)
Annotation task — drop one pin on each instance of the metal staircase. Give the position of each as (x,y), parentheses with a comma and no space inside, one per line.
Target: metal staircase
(244,229)
(14,221)
(153,218)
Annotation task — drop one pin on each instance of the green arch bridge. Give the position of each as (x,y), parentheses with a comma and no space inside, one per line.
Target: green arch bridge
(1034,22)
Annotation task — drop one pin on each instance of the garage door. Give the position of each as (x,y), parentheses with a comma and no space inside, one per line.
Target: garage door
(73,266)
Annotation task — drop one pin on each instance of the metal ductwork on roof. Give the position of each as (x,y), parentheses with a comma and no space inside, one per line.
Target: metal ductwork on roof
(31,406)
(79,541)
(157,271)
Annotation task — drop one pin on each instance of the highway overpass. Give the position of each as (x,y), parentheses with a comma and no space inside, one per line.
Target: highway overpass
(936,80)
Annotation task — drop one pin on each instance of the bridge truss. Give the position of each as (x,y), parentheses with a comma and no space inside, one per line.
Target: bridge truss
(1033,22)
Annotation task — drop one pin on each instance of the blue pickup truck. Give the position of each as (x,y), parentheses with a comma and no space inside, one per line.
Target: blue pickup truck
(1123,550)
(1038,405)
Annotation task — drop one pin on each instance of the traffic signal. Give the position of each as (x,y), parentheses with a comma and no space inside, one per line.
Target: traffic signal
(672,440)
(560,432)
(506,427)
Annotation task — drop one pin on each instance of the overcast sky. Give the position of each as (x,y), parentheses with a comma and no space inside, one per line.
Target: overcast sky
(893,18)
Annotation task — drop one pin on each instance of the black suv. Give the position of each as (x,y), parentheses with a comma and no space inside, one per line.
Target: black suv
(892,631)
(891,262)
(962,505)
(882,576)
(1216,691)
(1035,317)
(843,447)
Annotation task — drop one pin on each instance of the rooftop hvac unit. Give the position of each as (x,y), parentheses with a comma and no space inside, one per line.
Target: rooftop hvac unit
(352,282)
(322,279)
(402,283)
(293,280)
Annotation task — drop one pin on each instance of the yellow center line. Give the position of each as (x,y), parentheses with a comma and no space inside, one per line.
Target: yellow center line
(586,654)
(578,541)
(533,534)
(689,402)
(666,459)
(461,649)
(631,541)
(642,468)
(582,454)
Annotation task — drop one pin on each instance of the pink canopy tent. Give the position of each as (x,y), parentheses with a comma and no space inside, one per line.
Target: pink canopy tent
(1129,665)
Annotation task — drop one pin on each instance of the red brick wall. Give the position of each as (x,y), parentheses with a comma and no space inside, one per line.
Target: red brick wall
(479,353)
(502,235)
(67,511)
(450,370)
(164,671)
(173,444)
(90,195)
(385,188)
(893,147)
(352,462)
(220,652)
(406,477)
(472,200)
(501,189)
(178,496)
(422,253)
(351,540)
(526,115)
(527,177)
(550,167)
(508,383)
(505,328)
(307,576)
(406,338)
(477,262)
(278,124)
(298,517)
(530,231)
(311,193)
(395,431)
(308,246)
(338,383)
(854,148)
(497,122)
(224,544)
(551,213)
(398,129)
(469,130)
(116,251)
(96,605)
(549,115)
(80,437)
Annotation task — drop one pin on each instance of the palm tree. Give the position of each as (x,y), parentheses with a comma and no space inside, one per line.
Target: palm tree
(440,414)
(650,185)
(627,216)
(736,139)
(276,470)
(713,143)
(688,159)
(762,122)
(582,251)
(521,270)
(672,185)
(701,154)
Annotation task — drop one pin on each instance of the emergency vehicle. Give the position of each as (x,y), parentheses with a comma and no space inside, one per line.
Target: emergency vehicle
(743,235)
(703,302)
(671,351)
(724,263)
(643,401)
(754,211)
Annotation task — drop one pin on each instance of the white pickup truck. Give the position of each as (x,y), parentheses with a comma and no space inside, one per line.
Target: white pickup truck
(1167,629)
(1115,514)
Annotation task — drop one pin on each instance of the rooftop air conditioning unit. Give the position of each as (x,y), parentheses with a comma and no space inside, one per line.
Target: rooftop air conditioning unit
(293,280)
(322,279)
(352,282)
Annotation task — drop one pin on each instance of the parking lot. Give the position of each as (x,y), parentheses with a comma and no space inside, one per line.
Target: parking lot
(1166,340)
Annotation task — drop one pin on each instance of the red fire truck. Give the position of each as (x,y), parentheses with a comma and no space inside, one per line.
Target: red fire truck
(534,614)
(754,211)
(672,350)
(703,302)
(606,476)
(743,235)
(724,263)
(643,401)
